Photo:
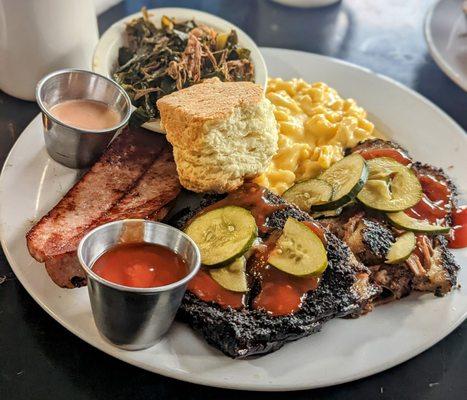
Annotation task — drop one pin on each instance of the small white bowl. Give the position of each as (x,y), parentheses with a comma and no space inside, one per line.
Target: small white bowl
(106,53)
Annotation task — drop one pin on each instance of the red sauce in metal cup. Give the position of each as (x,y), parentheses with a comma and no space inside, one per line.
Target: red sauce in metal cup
(141,265)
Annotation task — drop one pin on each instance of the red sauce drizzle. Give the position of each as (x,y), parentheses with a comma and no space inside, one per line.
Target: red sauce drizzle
(281,293)
(203,286)
(316,229)
(140,265)
(435,203)
(396,154)
(253,198)
(458,239)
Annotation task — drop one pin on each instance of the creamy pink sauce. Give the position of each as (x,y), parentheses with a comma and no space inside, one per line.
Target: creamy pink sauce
(86,114)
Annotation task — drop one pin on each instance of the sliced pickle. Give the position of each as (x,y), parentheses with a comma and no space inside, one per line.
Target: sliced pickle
(391,186)
(308,193)
(299,251)
(347,178)
(223,234)
(233,276)
(402,220)
(402,248)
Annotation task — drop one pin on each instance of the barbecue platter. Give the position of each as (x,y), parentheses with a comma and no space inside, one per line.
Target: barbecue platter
(302,211)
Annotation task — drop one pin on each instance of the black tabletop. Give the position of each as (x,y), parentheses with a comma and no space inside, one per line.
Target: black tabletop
(39,359)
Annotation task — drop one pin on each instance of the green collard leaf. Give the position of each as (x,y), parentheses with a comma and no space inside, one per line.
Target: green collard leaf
(158,61)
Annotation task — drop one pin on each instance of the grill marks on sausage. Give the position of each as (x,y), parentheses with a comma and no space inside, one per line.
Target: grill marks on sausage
(135,178)
(127,158)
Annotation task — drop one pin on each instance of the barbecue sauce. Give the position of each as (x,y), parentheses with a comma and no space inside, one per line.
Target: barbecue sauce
(398,155)
(458,239)
(253,198)
(204,287)
(141,265)
(280,293)
(434,206)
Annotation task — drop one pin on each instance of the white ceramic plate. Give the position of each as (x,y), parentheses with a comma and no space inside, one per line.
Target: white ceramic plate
(446,35)
(345,349)
(106,53)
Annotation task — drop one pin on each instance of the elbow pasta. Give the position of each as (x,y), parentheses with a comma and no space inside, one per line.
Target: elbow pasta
(315,127)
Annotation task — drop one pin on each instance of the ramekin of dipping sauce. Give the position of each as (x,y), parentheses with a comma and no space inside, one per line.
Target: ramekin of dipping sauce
(137,273)
(81,112)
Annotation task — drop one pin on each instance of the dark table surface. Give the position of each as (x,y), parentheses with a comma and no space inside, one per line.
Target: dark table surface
(39,359)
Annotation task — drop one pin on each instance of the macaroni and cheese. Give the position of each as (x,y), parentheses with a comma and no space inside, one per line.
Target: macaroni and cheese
(316,125)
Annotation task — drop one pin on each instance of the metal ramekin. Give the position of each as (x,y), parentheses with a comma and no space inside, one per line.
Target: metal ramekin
(70,146)
(135,318)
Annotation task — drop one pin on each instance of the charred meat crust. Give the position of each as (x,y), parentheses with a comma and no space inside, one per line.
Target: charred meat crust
(248,332)
(368,236)
(369,240)
(447,260)
(437,173)
(245,333)
(377,237)
(436,273)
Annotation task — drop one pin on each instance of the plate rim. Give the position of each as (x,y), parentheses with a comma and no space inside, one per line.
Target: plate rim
(435,53)
(185,376)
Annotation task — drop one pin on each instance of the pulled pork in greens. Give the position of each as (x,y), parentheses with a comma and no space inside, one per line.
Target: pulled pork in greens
(159,61)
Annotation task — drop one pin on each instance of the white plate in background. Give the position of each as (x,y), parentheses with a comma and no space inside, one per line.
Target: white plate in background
(446,35)
(345,349)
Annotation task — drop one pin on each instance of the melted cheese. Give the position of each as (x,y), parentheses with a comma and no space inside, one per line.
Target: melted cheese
(316,126)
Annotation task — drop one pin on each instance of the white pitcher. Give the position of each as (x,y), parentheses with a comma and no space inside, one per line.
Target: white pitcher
(40,36)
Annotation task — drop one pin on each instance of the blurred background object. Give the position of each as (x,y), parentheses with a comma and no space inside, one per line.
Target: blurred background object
(446,36)
(40,36)
(306,3)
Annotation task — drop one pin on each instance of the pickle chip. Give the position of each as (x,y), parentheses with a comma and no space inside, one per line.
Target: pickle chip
(232,276)
(402,248)
(391,186)
(299,251)
(223,234)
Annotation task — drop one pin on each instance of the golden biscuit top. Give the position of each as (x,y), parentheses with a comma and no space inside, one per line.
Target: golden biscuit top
(212,99)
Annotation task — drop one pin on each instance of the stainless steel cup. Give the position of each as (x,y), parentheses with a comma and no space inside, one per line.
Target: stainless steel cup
(135,318)
(70,146)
